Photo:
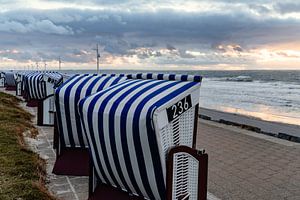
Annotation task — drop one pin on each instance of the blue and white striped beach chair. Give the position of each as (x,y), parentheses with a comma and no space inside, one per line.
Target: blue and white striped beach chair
(19,79)
(2,79)
(19,82)
(69,138)
(141,134)
(34,87)
(46,106)
(39,91)
(10,83)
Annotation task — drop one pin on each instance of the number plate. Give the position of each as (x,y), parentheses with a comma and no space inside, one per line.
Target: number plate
(179,107)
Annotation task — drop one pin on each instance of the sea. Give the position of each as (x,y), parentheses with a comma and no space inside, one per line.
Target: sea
(265,94)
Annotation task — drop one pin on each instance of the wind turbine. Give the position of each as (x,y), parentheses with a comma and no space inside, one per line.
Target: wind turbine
(37,65)
(59,63)
(45,66)
(98,56)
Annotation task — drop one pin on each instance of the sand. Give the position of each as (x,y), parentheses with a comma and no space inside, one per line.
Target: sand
(281,130)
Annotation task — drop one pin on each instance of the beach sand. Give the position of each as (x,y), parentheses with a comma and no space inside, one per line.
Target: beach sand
(285,131)
(242,164)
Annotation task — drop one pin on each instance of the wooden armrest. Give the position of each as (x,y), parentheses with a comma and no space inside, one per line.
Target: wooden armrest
(201,157)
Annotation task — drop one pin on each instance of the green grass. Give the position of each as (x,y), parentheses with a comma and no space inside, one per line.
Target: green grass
(22,172)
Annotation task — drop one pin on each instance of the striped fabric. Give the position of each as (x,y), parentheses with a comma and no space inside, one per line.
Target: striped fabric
(35,86)
(54,78)
(67,76)
(122,133)
(24,83)
(19,80)
(18,76)
(2,79)
(67,97)
(177,77)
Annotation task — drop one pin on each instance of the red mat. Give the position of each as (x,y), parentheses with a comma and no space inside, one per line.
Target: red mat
(74,162)
(32,103)
(104,192)
(10,88)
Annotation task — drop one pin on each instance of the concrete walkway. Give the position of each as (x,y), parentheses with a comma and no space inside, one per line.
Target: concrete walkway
(248,165)
(62,187)
(242,164)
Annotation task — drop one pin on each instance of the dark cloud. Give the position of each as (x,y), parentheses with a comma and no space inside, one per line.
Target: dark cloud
(237,48)
(72,33)
(170,47)
(290,7)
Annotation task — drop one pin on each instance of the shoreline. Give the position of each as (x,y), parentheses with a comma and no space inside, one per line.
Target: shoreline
(280,130)
(277,129)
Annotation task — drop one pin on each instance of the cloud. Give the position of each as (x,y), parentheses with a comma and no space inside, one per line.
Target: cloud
(290,7)
(206,32)
(44,26)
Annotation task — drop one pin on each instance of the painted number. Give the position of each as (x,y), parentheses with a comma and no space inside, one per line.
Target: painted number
(179,107)
(174,109)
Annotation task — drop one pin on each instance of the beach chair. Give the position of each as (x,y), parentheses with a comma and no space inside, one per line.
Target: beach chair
(46,105)
(39,91)
(19,82)
(142,135)
(33,87)
(2,79)
(10,83)
(69,139)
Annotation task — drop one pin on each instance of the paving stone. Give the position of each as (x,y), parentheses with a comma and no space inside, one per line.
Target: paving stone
(255,168)
(83,195)
(67,196)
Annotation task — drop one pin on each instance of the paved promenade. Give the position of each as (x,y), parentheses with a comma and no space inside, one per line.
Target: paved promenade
(242,164)
(248,165)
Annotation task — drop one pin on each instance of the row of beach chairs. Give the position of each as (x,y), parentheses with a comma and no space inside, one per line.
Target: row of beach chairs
(134,135)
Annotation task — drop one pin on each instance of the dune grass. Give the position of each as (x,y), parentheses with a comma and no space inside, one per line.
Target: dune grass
(22,172)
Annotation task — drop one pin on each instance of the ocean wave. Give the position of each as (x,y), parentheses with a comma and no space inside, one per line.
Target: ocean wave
(235,79)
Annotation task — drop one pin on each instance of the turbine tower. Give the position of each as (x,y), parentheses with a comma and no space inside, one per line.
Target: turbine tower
(59,63)
(98,56)
(45,66)
(37,65)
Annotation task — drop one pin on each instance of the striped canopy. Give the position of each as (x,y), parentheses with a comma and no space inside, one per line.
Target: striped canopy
(35,86)
(67,97)
(20,79)
(123,125)
(170,77)
(2,79)
(19,76)
(54,78)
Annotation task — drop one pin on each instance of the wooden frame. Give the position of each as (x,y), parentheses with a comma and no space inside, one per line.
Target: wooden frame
(40,112)
(202,157)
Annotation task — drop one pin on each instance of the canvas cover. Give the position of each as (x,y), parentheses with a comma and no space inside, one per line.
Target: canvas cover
(67,97)
(122,128)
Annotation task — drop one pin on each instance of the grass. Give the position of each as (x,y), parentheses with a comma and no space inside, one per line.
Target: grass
(22,172)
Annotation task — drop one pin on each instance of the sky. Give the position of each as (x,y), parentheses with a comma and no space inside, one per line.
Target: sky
(150,35)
